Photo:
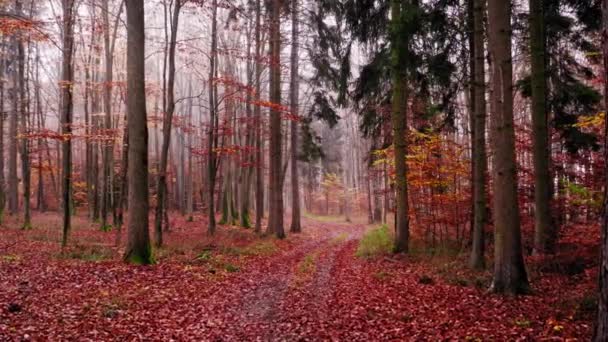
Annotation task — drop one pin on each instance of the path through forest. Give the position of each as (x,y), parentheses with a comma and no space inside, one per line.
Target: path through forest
(240,287)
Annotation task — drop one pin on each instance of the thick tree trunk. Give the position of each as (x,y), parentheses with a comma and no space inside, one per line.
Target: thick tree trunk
(399,46)
(138,245)
(275,191)
(167,123)
(294,97)
(509,269)
(545,233)
(600,333)
(66,114)
(477,260)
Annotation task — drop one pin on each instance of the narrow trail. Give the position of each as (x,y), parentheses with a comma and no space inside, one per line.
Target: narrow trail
(285,298)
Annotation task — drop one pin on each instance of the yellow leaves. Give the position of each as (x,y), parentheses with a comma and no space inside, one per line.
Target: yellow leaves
(593,121)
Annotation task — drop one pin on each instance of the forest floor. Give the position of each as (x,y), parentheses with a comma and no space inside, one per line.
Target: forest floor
(237,286)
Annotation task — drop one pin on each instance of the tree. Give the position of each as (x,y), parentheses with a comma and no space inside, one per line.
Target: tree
(399,45)
(296,226)
(509,269)
(67,109)
(108,151)
(275,191)
(544,233)
(212,136)
(479,136)
(167,122)
(138,248)
(259,167)
(600,332)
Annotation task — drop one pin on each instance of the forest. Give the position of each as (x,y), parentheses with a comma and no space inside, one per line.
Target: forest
(304,170)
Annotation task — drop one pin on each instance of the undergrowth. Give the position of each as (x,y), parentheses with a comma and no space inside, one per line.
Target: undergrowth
(375,242)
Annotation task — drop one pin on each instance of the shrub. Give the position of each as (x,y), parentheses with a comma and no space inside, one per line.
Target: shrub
(375,242)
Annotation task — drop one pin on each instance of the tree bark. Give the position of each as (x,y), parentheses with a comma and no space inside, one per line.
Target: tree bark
(275,218)
(138,249)
(544,231)
(477,260)
(399,46)
(23,114)
(600,332)
(509,269)
(66,114)
(296,227)
(259,156)
(167,123)
(212,135)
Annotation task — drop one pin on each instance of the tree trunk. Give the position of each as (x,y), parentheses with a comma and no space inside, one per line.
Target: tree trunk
(2,116)
(167,123)
(509,269)
(294,97)
(212,134)
(23,113)
(477,260)
(259,156)
(600,332)
(138,249)
(399,46)
(67,80)
(107,197)
(544,232)
(13,182)
(275,191)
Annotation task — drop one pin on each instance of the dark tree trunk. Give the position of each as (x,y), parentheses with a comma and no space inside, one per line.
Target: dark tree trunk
(600,333)
(294,94)
(545,233)
(138,249)
(275,191)
(399,46)
(66,114)
(509,269)
(259,156)
(477,260)
(212,135)
(167,123)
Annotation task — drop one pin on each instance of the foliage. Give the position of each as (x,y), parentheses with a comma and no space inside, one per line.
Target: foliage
(376,242)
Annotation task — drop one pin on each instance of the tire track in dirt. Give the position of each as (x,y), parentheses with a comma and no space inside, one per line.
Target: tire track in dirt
(254,305)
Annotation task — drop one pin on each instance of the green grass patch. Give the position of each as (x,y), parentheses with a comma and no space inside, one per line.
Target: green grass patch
(10,258)
(308,265)
(375,242)
(339,239)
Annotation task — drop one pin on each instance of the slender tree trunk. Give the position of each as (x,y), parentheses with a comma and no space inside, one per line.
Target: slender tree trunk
(167,123)
(399,46)
(66,114)
(138,245)
(23,113)
(275,191)
(544,231)
(13,182)
(294,95)
(600,332)
(212,134)
(107,197)
(2,116)
(477,260)
(509,269)
(259,156)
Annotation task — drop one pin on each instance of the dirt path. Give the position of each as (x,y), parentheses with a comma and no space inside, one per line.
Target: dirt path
(286,297)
